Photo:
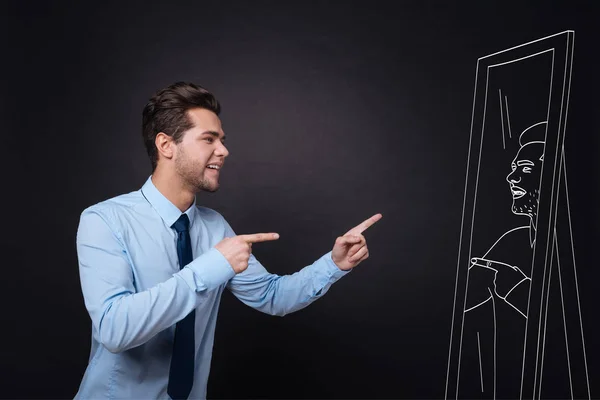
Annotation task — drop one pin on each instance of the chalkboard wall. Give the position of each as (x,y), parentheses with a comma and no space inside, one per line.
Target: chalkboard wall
(334,112)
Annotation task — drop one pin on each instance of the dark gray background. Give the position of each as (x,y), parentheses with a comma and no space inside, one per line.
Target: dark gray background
(334,112)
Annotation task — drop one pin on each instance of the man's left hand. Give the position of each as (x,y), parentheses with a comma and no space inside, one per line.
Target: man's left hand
(351,249)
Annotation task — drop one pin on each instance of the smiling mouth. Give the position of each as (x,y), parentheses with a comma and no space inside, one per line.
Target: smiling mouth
(517,192)
(213,168)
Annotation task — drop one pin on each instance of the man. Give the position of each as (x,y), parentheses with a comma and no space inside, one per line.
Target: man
(510,283)
(499,281)
(153,264)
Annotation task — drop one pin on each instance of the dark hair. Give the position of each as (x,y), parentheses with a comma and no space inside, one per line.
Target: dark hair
(166,112)
(536,133)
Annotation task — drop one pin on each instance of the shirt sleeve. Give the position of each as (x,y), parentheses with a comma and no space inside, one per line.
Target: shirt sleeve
(280,295)
(123,318)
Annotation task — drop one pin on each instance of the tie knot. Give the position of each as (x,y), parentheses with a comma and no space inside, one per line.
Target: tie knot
(182,224)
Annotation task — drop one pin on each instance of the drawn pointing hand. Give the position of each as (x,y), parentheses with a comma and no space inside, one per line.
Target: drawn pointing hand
(506,276)
(351,249)
(237,249)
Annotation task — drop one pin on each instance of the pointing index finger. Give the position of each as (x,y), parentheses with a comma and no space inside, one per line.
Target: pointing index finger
(259,237)
(490,264)
(360,228)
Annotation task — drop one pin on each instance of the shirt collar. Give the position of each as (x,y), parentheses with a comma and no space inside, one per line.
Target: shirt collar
(163,206)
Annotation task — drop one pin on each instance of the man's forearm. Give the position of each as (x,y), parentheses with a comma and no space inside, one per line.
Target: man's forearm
(281,295)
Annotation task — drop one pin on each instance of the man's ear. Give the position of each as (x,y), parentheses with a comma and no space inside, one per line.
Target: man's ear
(164,144)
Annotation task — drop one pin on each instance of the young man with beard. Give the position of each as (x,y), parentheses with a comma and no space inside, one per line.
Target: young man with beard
(153,263)
(499,282)
(510,283)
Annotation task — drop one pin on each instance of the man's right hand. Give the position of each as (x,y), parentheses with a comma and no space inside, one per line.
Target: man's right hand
(237,249)
(507,276)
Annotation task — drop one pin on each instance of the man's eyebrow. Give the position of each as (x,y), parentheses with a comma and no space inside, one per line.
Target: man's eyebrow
(524,162)
(214,133)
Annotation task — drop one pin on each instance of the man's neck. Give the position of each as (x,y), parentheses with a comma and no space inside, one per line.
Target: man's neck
(170,186)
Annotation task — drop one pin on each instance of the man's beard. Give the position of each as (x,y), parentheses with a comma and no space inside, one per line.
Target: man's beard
(526,205)
(191,178)
(205,185)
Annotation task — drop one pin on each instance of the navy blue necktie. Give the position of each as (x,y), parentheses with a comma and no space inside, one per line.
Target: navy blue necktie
(181,374)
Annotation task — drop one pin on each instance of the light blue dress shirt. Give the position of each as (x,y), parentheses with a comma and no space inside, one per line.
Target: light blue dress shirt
(135,291)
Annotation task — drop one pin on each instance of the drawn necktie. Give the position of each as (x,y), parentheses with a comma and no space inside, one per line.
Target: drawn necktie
(181,374)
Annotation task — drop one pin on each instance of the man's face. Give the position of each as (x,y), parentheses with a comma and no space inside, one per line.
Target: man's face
(201,153)
(524,179)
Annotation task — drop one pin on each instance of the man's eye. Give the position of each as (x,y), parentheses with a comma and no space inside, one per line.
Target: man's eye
(527,170)
(209,139)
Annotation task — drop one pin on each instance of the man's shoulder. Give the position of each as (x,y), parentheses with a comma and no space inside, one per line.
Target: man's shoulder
(513,244)
(116,205)
(209,215)
(508,238)
(214,220)
(520,233)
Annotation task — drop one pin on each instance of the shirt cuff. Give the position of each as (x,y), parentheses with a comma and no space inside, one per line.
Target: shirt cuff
(331,270)
(208,271)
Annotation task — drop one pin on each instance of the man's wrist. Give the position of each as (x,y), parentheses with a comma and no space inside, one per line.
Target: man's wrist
(211,270)
(333,266)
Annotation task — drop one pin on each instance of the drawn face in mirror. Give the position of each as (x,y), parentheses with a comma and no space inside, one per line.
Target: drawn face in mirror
(524,180)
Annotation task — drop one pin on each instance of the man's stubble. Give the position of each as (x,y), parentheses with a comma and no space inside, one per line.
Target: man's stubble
(188,171)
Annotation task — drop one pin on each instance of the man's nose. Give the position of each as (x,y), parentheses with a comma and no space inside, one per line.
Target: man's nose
(222,150)
(512,178)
